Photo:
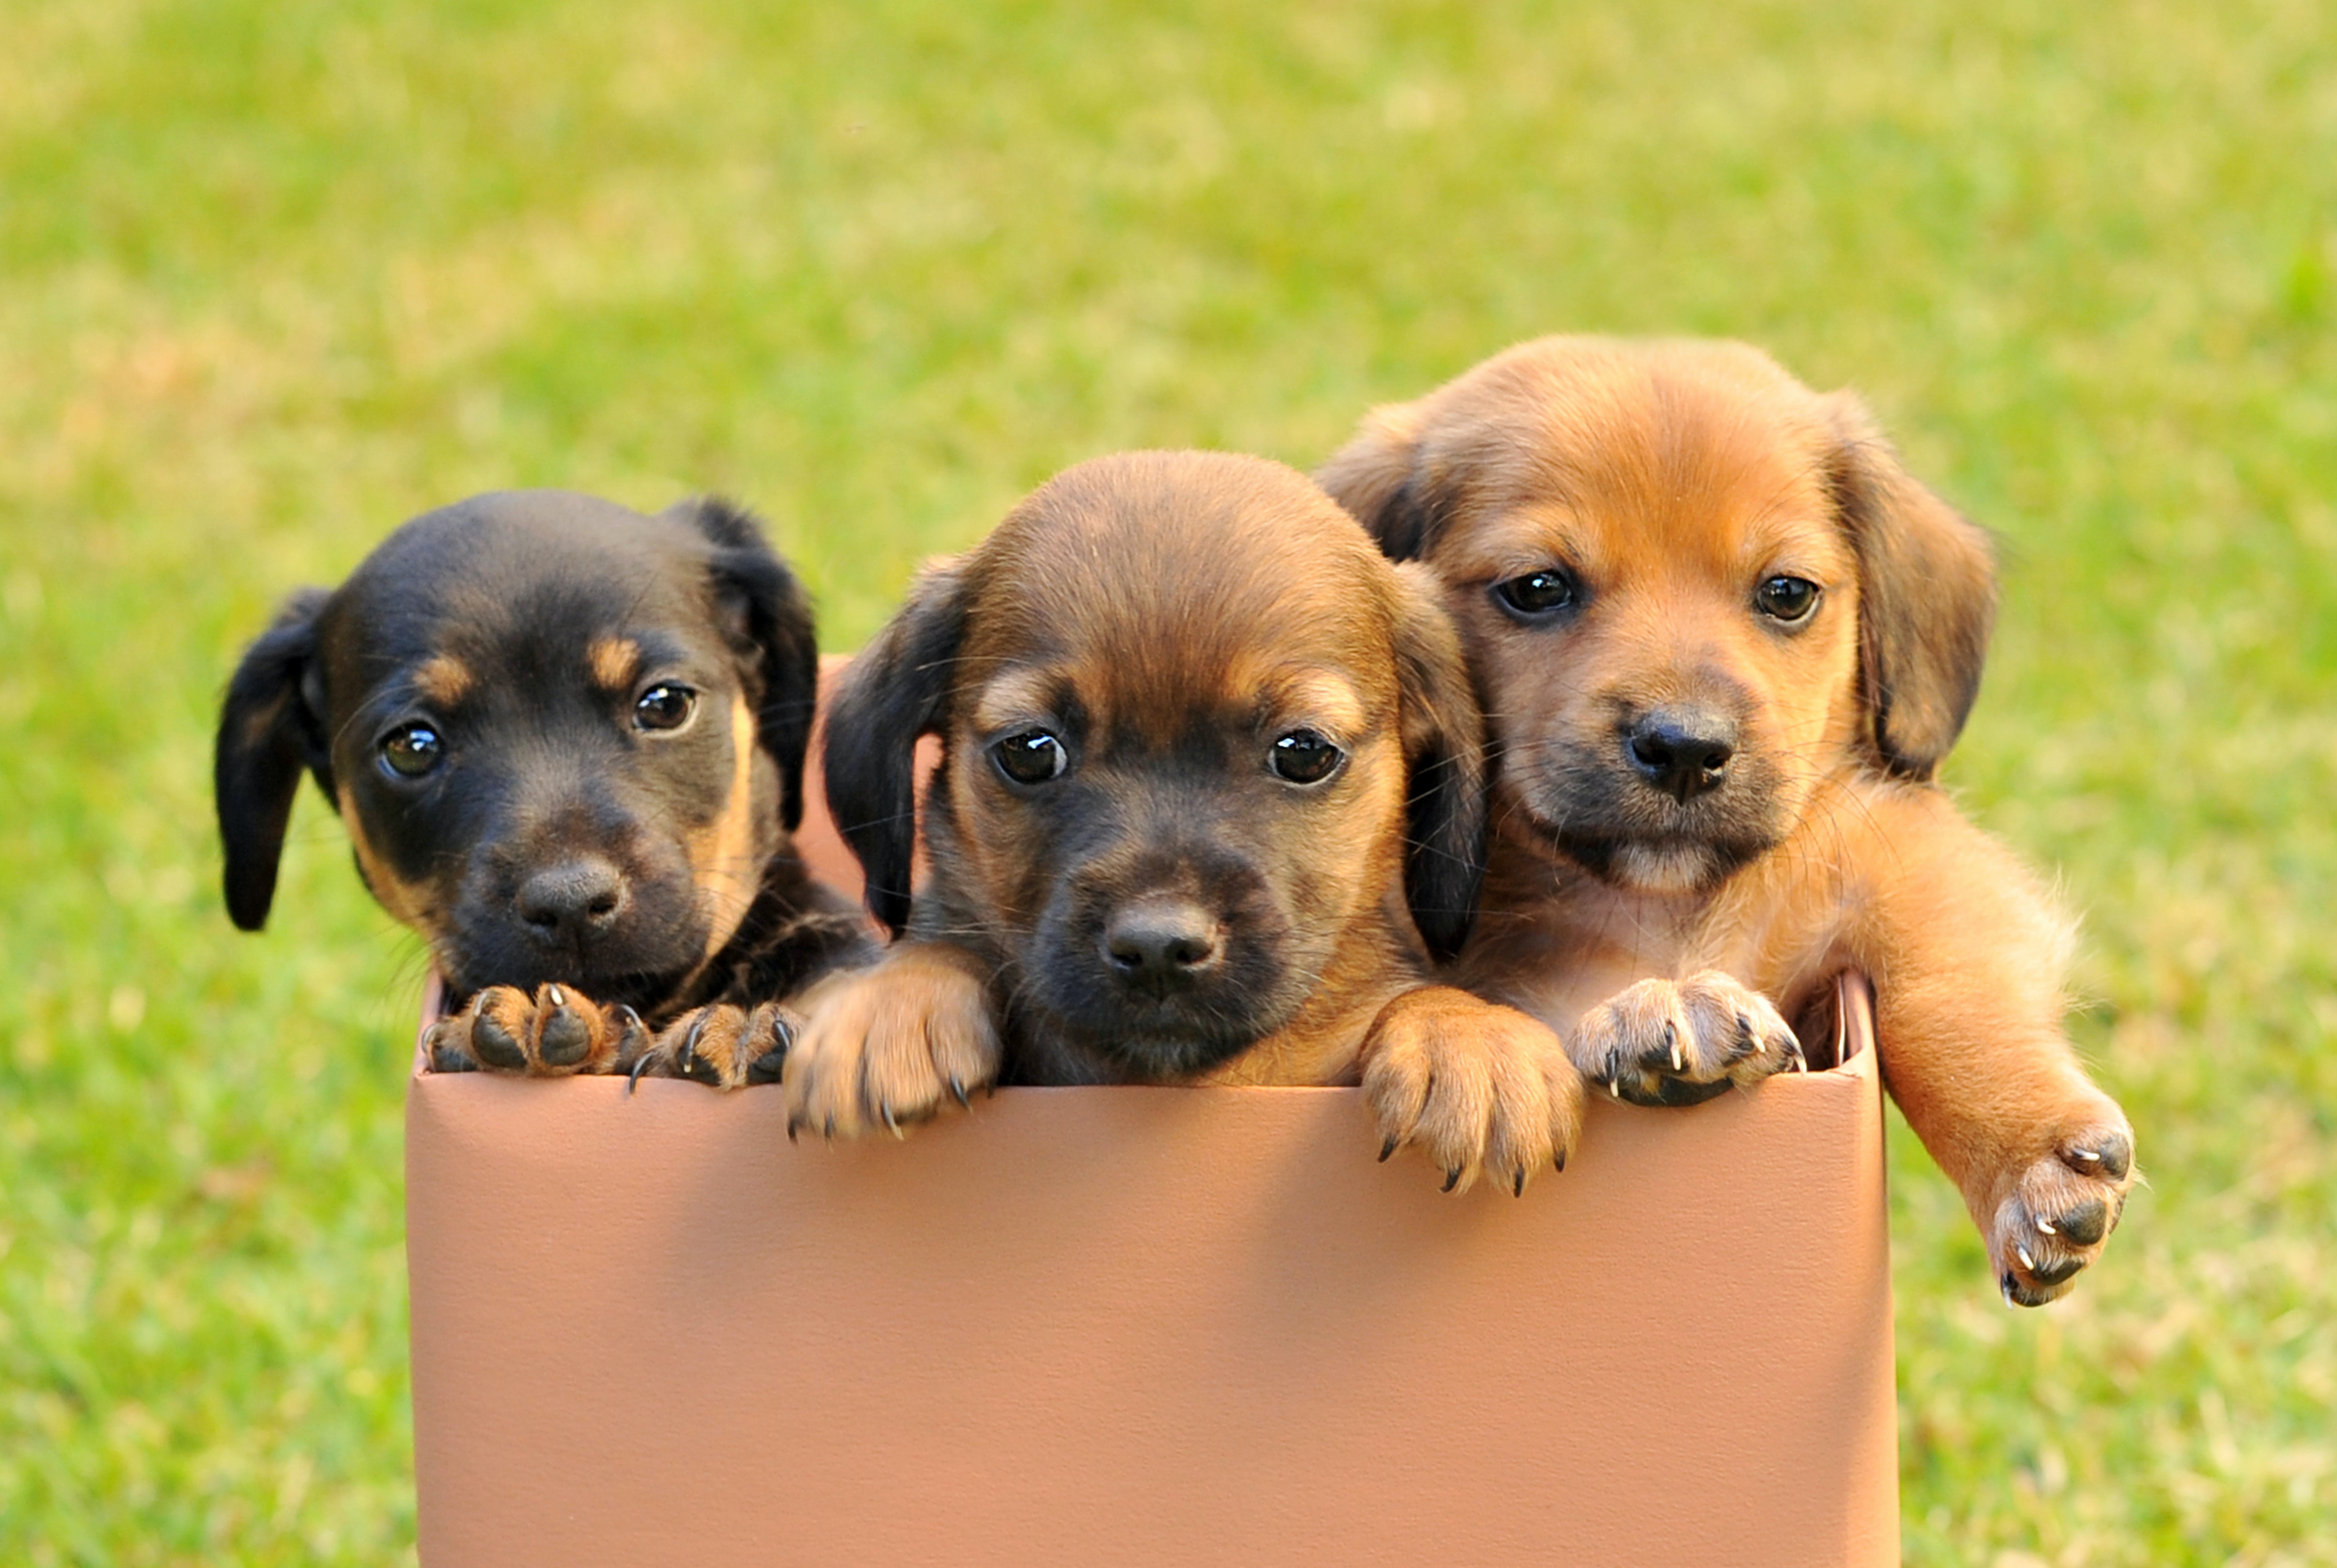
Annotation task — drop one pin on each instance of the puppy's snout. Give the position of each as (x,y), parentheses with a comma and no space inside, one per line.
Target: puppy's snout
(568,902)
(1682,751)
(1162,942)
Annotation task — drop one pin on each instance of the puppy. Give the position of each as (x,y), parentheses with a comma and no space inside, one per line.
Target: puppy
(1209,803)
(567,742)
(1723,640)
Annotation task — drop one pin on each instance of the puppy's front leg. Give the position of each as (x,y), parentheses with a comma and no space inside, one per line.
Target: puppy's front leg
(1966,955)
(1475,1086)
(890,1046)
(556,1032)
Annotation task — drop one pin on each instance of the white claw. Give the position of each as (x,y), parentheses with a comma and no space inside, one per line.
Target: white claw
(2026,1261)
(1678,1061)
(1615,1087)
(2045,1226)
(2086,1155)
(557,999)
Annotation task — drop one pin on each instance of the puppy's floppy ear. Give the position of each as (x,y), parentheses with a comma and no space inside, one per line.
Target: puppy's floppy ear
(271,725)
(1444,757)
(896,690)
(1379,478)
(768,621)
(1926,587)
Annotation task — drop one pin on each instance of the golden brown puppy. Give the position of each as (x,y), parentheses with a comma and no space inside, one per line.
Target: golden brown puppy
(1211,797)
(1722,641)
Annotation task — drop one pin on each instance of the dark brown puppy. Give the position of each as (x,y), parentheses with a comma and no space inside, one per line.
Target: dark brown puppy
(1724,642)
(567,741)
(1211,797)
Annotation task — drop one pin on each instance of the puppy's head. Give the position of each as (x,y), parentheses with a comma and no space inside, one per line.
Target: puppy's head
(564,737)
(1197,731)
(1691,587)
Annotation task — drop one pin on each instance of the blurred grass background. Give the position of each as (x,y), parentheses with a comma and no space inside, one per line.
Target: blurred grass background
(275,276)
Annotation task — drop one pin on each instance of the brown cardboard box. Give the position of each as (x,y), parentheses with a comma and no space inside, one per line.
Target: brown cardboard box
(1145,1325)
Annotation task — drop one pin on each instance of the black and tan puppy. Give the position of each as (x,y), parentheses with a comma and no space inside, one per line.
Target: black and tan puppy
(1210,800)
(567,741)
(1723,640)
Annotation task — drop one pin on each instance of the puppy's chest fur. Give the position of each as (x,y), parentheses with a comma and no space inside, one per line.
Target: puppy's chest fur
(1555,940)
(795,931)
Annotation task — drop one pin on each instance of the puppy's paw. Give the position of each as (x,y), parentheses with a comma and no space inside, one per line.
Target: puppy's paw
(722,1046)
(556,1032)
(1477,1087)
(2057,1211)
(1680,1042)
(890,1046)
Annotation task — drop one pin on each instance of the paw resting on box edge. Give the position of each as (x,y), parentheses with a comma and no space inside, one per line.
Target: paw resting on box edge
(557,1031)
(554,1032)
(1678,1043)
(1478,1089)
(892,1046)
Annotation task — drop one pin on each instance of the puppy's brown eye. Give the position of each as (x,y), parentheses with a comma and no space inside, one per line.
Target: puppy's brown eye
(1032,757)
(1303,758)
(412,750)
(1539,593)
(1786,598)
(664,706)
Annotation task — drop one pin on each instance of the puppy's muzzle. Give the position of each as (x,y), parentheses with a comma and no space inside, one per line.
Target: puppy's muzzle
(567,906)
(1163,945)
(1682,751)
(1168,961)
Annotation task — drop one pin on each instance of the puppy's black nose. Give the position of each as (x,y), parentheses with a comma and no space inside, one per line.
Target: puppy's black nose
(1682,751)
(576,899)
(1162,942)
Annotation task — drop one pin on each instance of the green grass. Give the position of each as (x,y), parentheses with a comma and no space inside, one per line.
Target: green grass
(273,277)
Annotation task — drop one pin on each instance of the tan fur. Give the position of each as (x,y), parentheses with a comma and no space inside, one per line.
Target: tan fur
(406,903)
(724,856)
(555,1032)
(888,1046)
(725,1046)
(443,679)
(1152,587)
(1673,478)
(1292,598)
(558,1031)
(614,661)
(1473,1085)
